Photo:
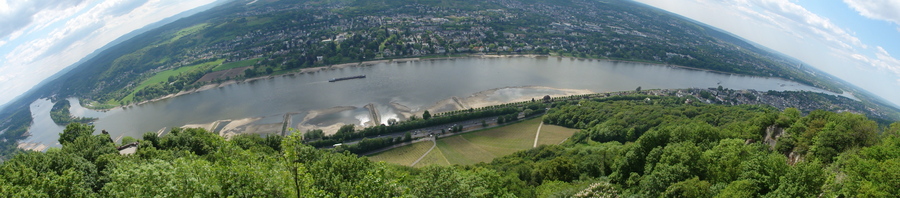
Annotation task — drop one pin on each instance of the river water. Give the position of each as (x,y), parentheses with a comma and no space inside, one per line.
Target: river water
(414,86)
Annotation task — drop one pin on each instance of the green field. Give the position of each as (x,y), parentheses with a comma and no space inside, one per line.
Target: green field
(188,31)
(164,76)
(436,157)
(232,65)
(552,134)
(405,155)
(479,146)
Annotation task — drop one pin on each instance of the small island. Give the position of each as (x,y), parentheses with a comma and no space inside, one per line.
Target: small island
(61,115)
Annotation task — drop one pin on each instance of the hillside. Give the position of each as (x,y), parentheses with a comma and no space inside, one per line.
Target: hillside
(628,146)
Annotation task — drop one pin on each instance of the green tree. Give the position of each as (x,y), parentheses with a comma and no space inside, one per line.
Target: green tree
(723,162)
(91,147)
(426,115)
(805,179)
(693,187)
(73,131)
(739,189)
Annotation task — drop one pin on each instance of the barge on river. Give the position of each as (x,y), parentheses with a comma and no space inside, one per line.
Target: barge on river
(346,78)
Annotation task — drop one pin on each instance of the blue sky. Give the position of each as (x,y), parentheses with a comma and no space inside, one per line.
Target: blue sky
(855,40)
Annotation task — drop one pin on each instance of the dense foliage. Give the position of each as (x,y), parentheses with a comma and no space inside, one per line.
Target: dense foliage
(628,146)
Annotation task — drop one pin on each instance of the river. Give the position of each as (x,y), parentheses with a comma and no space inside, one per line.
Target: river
(396,90)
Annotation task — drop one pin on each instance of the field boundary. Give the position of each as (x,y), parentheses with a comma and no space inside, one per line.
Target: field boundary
(427,152)
(537,135)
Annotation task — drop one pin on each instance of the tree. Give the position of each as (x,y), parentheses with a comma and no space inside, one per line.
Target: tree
(91,147)
(689,188)
(392,121)
(426,115)
(739,189)
(805,179)
(249,72)
(74,131)
(313,134)
(638,88)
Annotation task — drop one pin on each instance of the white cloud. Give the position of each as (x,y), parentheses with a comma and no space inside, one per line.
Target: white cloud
(45,44)
(16,15)
(804,20)
(886,10)
(886,61)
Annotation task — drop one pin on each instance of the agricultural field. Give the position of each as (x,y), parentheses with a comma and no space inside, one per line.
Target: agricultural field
(405,155)
(435,157)
(232,65)
(552,134)
(478,146)
(164,76)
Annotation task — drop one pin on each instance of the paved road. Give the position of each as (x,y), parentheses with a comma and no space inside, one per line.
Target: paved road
(468,125)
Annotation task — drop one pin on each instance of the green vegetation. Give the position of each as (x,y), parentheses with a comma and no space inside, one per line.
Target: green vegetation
(552,134)
(504,140)
(459,150)
(61,115)
(169,76)
(627,147)
(232,65)
(435,157)
(404,155)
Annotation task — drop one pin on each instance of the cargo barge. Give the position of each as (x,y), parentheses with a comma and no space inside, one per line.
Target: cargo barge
(346,78)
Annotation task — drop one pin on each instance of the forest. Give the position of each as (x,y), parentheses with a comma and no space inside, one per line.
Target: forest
(647,146)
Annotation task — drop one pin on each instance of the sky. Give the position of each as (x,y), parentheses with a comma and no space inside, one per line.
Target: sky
(38,38)
(855,40)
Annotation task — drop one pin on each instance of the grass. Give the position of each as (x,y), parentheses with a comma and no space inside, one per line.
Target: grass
(478,146)
(405,155)
(436,157)
(458,150)
(164,76)
(233,65)
(188,31)
(485,145)
(552,134)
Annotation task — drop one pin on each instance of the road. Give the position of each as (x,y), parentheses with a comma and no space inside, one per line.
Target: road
(424,134)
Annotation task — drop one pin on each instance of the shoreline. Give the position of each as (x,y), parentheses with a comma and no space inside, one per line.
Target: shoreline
(414,59)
